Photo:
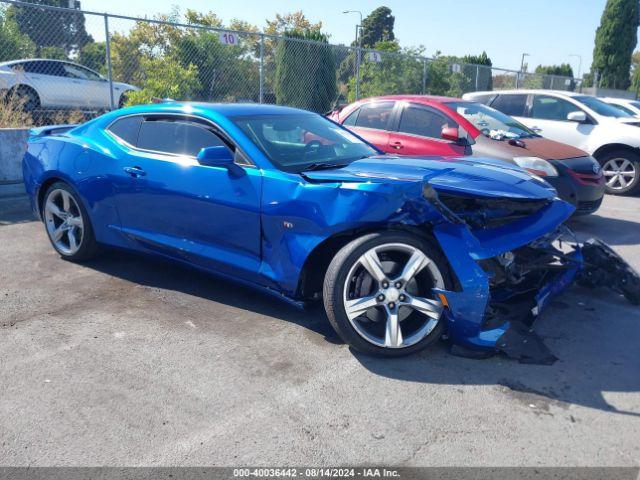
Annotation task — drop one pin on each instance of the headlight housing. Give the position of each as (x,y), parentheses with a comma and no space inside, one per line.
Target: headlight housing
(537,166)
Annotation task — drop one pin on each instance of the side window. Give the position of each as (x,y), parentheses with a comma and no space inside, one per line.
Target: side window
(484,98)
(551,108)
(76,71)
(375,115)
(178,137)
(55,69)
(512,105)
(127,129)
(423,121)
(350,121)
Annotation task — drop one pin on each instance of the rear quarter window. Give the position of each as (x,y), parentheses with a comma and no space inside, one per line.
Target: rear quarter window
(126,129)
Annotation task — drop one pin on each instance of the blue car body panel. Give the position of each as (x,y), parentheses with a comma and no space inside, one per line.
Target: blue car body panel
(261,227)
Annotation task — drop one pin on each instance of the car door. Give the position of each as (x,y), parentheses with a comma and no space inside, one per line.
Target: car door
(548,117)
(372,121)
(91,90)
(48,78)
(419,132)
(169,203)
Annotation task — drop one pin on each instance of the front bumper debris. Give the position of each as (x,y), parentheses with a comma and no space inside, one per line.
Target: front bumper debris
(497,303)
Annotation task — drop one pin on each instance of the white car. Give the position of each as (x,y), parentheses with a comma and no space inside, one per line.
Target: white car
(632,107)
(57,84)
(606,132)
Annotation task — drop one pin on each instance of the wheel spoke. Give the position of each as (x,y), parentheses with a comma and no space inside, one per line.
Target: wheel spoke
(371,263)
(623,181)
(66,201)
(75,222)
(431,308)
(57,233)
(393,333)
(415,264)
(73,242)
(357,307)
(625,163)
(54,209)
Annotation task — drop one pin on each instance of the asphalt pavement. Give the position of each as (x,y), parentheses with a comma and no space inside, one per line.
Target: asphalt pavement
(131,361)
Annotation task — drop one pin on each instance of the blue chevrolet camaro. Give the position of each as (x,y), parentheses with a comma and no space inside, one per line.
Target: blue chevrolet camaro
(401,250)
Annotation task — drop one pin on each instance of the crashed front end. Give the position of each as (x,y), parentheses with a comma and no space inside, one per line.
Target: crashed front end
(511,257)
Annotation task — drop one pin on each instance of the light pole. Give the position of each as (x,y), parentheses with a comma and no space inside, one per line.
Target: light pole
(358,50)
(579,63)
(521,73)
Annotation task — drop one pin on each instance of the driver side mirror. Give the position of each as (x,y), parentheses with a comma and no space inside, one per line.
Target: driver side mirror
(457,135)
(579,117)
(219,156)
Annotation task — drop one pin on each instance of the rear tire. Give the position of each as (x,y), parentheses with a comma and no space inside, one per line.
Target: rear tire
(27,96)
(621,169)
(68,224)
(393,311)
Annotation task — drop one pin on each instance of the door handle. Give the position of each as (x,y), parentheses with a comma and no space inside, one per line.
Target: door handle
(536,129)
(135,171)
(397,145)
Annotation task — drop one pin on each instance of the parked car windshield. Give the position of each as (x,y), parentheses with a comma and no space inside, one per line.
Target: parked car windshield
(600,107)
(298,142)
(491,122)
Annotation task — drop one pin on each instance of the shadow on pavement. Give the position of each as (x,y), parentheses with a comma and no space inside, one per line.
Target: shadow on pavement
(15,210)
(597,354)
(165,274)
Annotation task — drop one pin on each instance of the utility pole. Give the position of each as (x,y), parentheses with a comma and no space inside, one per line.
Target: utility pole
(358,50)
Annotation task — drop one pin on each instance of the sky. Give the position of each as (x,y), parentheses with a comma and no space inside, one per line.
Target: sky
(548,30)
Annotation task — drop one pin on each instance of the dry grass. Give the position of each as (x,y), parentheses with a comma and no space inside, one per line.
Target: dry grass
(12,114)
(67,117)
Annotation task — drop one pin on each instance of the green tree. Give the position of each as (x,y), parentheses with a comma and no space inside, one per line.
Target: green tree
(13,44)
(378,27)
(635,72)
(305,72)
(93,55)
(398,71)
(63,29)
(549,80)
(165,79)
(616,37)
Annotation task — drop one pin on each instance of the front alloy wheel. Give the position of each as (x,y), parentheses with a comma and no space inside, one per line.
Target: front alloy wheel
(379,294)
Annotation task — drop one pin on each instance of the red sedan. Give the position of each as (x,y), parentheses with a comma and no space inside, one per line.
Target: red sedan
(444,126)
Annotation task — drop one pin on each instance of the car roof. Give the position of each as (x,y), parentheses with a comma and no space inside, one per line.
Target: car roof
(615,99)
(417,98)
(204,108)
(527,91)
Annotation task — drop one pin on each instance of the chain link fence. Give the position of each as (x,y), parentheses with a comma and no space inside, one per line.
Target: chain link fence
(65,65)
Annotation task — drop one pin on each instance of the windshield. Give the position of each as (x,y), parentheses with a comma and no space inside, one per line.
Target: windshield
(491,122)
(600,107)
(296,142)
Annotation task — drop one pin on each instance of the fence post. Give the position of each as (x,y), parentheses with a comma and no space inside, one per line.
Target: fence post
(107,41)
(477,77)
(358,54)
(261,68)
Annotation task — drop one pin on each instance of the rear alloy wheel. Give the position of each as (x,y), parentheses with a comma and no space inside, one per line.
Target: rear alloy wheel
(67,224)
(621,170)
(379,294)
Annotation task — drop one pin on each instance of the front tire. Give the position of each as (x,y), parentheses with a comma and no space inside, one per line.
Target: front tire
(67,223)
(621,169)
(378,293)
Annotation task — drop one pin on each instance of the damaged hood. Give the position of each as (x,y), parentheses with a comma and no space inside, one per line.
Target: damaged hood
(474,177)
